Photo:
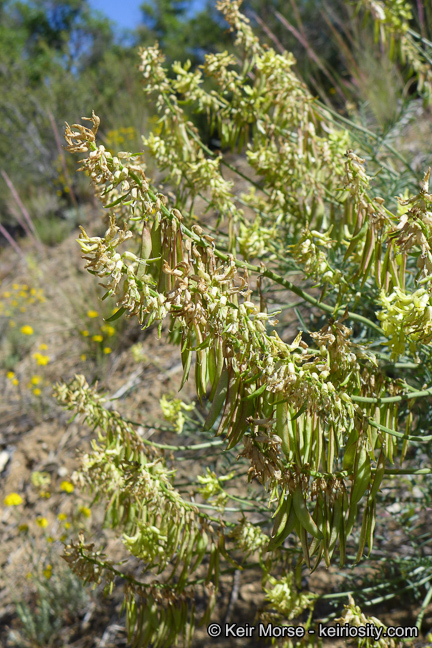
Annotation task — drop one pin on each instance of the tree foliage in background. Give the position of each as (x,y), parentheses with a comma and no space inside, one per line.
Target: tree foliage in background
(55,56)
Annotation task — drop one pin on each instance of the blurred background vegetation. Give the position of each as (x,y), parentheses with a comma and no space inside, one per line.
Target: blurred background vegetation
(59,60)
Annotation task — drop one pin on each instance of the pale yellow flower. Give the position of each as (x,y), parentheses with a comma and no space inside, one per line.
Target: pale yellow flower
(26,330)
(97,338)
(107,350)
(92,313)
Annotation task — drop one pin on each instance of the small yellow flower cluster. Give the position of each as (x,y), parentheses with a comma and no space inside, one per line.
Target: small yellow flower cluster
(67,487)
(34,383)
(42,522)
(13,499)
(12,377)
(106,330)
(47,572)
(119,136)
(17,300)
(41,359)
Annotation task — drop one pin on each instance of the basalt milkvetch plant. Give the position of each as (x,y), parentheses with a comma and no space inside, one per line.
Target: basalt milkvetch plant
(320,419)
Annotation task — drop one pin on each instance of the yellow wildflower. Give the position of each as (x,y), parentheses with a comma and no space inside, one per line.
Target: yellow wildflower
(92,313)
(67,525)
(85,511)
(50,539)
(37,391)
(6,294)
(27,330)
(36,380)
(16,286)
(13,499)
(83,357)
(109,330)
(97,338)
(42,522)
(41,359)
(62,517)
(10,375)
(85,333)
(67,487)
(107,350)
(43,346)
(15,381)
(47,572)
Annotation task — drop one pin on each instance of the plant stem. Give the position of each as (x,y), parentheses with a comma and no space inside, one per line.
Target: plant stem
(399,435)
(392,399)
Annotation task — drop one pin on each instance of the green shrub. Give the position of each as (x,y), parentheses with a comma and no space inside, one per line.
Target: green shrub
(318,421)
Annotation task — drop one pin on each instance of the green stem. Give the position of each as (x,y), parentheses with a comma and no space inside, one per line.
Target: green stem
(322,108)
(426,601)
(399,435)
(414,34)
(419,471)
(197,446)
(392,399)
